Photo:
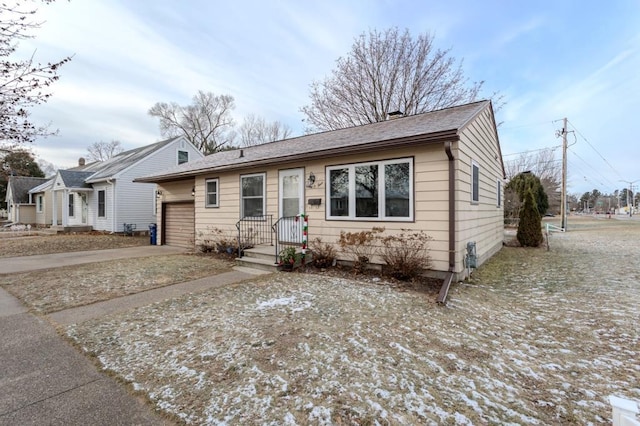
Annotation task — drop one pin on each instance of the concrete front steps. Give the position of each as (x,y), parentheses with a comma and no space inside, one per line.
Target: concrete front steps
(263,258)
(259,257)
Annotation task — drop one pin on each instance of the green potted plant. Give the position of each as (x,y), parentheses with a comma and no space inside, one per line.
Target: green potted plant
(288,258)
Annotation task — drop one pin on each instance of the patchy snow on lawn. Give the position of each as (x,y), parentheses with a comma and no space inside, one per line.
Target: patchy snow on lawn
(537,338)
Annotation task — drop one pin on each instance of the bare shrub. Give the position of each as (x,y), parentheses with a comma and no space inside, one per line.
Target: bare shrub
(360,246)
(406,254)
(324,254)
(218,241)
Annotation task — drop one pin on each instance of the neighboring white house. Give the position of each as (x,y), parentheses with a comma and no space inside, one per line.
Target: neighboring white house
(103,195)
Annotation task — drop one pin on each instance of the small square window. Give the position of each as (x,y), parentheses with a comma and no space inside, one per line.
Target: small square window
(183,157)
(212,186)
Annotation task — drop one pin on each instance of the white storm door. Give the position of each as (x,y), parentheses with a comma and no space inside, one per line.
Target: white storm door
(291,204)
(84,207)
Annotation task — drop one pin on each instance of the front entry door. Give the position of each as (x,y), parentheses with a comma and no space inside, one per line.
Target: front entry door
(84,207)
(291,204)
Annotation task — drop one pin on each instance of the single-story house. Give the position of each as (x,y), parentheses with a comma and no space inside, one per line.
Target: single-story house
(440,172)
(104,196)
(21,206)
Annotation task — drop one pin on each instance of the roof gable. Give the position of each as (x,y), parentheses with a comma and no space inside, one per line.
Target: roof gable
(18,188)
(428,127)
(112,167)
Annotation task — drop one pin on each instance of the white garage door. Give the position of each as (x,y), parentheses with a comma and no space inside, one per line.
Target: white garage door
(179,224)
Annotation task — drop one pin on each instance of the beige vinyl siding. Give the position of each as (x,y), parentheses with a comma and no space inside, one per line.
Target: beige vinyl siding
(481,222)
(430,189)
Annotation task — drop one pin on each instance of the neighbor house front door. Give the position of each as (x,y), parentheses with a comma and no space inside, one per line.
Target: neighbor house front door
(291,204)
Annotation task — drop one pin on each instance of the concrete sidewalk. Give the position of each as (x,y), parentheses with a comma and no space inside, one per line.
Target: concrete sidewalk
(44,379)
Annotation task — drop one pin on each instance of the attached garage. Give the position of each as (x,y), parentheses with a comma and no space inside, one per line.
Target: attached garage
(179,224)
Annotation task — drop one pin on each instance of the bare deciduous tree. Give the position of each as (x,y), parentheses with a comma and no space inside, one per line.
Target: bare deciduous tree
(101,151)
(256,130)
(206,122)
(385,72)
(23,83)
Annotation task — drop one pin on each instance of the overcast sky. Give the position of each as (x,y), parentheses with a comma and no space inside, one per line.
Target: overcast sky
(549,59)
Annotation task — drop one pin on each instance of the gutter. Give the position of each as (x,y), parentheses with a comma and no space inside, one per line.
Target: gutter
(444,290)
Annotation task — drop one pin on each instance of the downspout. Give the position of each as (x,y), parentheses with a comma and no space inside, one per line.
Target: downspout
(444,291)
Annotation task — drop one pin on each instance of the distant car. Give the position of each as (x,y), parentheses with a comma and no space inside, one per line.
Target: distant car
(549,215)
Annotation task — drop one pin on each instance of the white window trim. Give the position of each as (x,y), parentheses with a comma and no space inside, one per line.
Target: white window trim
(39,203)
(206,192)
(104,215)
(381,192)
(474,164)
(71,202)
(264,193)
(178,156)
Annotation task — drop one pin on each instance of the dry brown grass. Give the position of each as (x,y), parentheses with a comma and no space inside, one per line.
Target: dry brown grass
(537,337)
(52,290)
(11,246)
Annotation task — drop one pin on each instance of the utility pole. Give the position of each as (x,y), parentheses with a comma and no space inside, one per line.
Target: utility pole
(563,207)
(629,196)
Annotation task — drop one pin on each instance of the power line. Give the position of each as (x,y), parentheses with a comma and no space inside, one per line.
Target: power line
(592,147)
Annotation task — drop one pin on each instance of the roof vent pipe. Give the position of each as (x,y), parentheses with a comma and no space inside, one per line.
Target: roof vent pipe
(81,161)
(241,153)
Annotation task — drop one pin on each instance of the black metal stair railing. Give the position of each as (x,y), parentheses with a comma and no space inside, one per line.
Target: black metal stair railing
(254,231)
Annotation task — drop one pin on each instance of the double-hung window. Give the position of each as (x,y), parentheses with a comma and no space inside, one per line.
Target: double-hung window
(71,205)
(252,190)
(40,203)
(380,190)
(102,211)
(498,193)
(475,183)
(211,188)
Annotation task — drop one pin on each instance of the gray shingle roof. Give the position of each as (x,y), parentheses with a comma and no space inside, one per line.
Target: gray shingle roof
(427,127)
(20,186)
(75,179)
(107,169)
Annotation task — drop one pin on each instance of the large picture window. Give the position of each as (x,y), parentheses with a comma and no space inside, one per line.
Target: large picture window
(102,201)
(252,189)
(212,193)
(381,190)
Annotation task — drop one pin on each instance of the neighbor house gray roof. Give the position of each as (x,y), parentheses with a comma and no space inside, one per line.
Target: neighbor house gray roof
(109,168)
(20,186)
(74,179)
(43,186)
(435,126)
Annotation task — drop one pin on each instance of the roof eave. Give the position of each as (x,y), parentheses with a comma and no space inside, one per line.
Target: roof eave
(432,138)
